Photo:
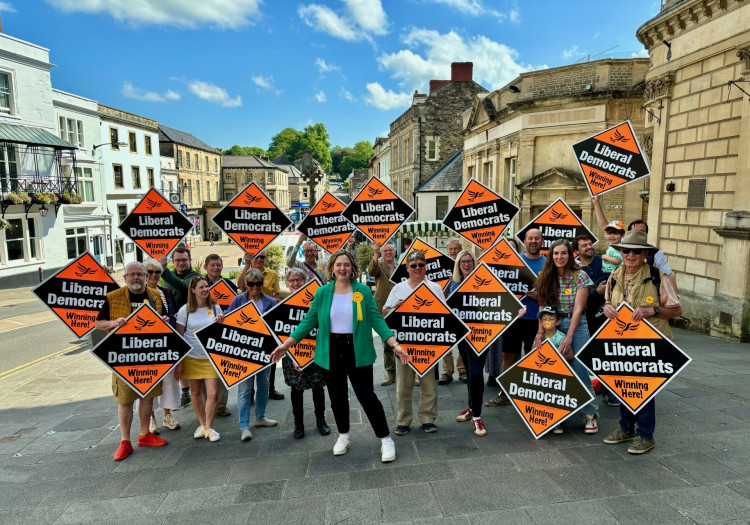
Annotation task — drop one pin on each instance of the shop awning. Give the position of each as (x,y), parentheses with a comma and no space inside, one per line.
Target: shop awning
(31,136)
(424,229)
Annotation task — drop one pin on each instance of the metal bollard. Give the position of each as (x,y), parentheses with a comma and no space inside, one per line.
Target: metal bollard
(41,276)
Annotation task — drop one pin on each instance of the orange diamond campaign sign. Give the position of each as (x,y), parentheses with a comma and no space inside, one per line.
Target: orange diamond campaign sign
(223,292)
(557,221)
(377,211)
(485,304)
(439,266)
(143,350)
(240,347)
(544,389)
(287,315)
(632,358)
(77,292)
(480,215)
(326,226)
(611,159)
(508,266)
(251,219)
(426,328)
(155,225)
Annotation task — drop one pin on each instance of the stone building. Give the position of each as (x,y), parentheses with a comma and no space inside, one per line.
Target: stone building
(380,162)
(299,189)
(518,139)
(699,213)
(240,170)
(427,134)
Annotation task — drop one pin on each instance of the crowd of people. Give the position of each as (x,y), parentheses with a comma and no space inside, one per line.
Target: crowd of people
(573,296)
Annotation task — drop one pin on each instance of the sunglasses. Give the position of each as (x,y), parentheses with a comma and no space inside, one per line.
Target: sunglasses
(258,283)
(419,265)
(152,272)
(260,257)
(628,250)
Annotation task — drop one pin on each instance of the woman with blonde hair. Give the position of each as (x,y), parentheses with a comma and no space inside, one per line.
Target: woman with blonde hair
(199,312)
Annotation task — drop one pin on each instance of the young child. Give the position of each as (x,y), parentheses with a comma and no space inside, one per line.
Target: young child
(550,322)
(612,258)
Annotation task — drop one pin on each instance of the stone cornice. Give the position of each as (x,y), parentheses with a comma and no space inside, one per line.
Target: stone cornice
(682,17)
(659,87)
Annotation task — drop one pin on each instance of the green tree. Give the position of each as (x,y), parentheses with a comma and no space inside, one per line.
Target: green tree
(275,257)
(286,141)
(338,153)
(356,160)
(293,143)
(245,150)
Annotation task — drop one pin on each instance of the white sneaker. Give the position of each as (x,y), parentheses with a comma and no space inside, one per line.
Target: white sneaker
(246,435)
(341,446)
(387,451)
(170,422)
(590,426)
(212,435)
(200,432)
(152,426)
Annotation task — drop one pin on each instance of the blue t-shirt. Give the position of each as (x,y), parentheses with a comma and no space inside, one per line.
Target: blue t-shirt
(532,307)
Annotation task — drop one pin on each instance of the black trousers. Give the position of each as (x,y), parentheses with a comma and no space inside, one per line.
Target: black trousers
(521,333)
(319,402)
(474,376)
(342,366)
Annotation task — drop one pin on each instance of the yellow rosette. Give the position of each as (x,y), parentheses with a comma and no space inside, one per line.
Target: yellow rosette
(357,298)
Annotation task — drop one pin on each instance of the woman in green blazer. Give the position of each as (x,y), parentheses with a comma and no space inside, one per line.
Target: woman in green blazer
(345,313)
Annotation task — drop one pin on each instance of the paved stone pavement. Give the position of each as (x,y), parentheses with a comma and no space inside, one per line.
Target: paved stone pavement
(58,431)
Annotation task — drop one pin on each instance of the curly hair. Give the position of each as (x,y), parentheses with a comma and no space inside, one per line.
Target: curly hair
(547,283)
(355,267)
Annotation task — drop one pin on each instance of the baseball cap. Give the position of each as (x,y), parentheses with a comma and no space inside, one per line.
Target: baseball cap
(546,310)
(615,225)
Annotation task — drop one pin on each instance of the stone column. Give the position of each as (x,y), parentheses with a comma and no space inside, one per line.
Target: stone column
(730,316)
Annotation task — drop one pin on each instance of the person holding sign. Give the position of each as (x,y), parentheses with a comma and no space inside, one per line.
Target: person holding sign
(300,380)
(345,313)
(655,299)
(381,270)
(453,247)
(562,284)
(310,264)
(199,312)
(246,390)
(416,266)
(214,265)
(118,306)
(475,363)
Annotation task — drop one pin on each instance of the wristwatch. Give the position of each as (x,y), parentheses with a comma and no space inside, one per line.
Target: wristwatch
(656,311)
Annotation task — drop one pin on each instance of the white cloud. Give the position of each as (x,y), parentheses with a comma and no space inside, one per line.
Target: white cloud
(515,16)
(265,83)
(356,20)
(130,91)
(222,14)
(325,67)
(643,53)
(213,93)
(382,98)
(596,35)
(430,55)
(6,7)
(573,52)
(472,8)
(320,96)
(344,93)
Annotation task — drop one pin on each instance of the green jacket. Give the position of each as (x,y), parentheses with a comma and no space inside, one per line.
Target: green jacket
(178,285)
(319,315)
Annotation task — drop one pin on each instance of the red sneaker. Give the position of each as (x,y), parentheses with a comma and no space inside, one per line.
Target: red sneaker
(126,447)
(464,416)
(479,429)
(150,440)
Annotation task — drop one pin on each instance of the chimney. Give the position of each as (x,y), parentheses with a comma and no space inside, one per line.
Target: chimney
(462,71)
(1,25)
(418,98)
(434,84)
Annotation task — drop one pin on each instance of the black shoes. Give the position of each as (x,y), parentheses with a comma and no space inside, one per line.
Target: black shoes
(276,395)
(323,427)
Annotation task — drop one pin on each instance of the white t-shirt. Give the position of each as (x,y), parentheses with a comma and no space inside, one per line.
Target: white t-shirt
(402,290)
(201,318)
(341,313)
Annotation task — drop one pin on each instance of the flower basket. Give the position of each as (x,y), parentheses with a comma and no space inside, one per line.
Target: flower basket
(71,198)
(44,198)
(4,225)
(17,198)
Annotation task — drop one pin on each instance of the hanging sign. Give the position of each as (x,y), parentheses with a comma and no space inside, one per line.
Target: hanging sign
(326,226)
(439,266)
(222,292)
(544,389)
(426,328)
(240,347)
(251,219)
(377,212)
(142,350)
(76,293)
(485,304)
(632,358)
(611,159)
(557,221)
(503,260)
(287,315)
(480,215)
(156,225)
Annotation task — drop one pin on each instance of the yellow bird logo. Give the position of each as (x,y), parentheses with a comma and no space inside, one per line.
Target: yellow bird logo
(151,204)
(372,192)
(141,323)
(244,319)
(618,137)
(556,215)
(479,281)
(473,195)
(543,360)
(419,302)
(623,327)
(82,270)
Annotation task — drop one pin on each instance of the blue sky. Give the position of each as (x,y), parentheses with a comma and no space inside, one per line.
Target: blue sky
(238,71)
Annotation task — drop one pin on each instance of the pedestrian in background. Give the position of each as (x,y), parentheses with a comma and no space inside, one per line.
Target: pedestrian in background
(381,270)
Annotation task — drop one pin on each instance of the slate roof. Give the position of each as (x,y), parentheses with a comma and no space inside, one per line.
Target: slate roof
(247,161)
(167,134)
(449,177)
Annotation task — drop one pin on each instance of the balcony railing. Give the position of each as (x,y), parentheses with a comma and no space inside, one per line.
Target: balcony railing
(36,169)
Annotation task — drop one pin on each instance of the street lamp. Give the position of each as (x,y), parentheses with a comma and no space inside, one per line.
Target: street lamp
(43,211)
(119,145)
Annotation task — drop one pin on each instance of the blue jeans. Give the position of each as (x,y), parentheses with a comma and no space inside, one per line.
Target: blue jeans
(580,337)
(245,392)
(643,422)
